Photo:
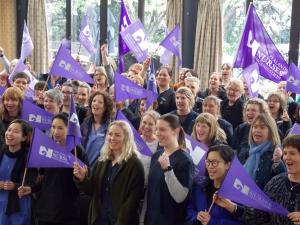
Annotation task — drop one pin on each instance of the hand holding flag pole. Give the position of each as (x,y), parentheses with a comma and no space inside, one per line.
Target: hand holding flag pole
(213,201)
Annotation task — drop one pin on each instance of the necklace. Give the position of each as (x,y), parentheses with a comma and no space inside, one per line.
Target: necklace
(293,186)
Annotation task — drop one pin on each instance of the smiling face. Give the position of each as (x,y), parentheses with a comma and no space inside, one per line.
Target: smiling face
(97,105)
(291,158)
(210,107)
(214,81)
(116,139)
(59,131)
(274,104)
(82,96)
(67,92)
(193,86)
(260,132)
(12,106)
(165,134)
(51,106)
(233,93)
(147,127)
(21,83)
(216,166)
(252,110)
(202,132)
(163,78)
(14,136)
(182,103)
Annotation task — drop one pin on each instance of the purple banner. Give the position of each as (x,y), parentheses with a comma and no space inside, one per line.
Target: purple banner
(73,133)
(36,116)
(141,145)
(165,57)
(257,46)
(124,23)
(295,129)
(66,43)
(251,77)
(45,153)
(85,37)
(172,42)
(239,187)
(293,82)
(27,45)
(136,39)
(64,65)
(197,152)
(2,90)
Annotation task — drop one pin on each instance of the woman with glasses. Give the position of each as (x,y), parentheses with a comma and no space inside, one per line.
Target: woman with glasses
(201,208)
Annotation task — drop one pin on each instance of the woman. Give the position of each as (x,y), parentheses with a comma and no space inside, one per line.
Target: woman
(166,97)
(15,200)
(211,104)
(53,100)
(94,127)
(170,176)
(207,131)
(184,104)
(219,158)
(263,150)
(253,107)
(214,87)
(233,105)
(57,201)
(101,80)
(278,109)
(117,181)
(226,70)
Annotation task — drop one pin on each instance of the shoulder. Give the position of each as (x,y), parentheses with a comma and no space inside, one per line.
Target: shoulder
(276,183)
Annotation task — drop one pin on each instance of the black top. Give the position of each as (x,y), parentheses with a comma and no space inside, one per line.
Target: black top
(187,121)
(166,102)
(221,94)
(162,209)
(227,127)
(233,114)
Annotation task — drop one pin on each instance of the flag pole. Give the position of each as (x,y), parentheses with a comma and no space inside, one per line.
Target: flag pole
(46,82)
(23,180)
(79,50)
(213,202)
(75,153)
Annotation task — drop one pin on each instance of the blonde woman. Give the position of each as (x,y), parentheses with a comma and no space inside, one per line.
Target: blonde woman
(117,181)
(184,99)
(207,130)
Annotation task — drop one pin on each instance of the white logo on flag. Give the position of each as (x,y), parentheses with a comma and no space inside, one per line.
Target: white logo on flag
(140,37)
(46,152)
(239,186)
(35,118)
(74,119)
(196,153)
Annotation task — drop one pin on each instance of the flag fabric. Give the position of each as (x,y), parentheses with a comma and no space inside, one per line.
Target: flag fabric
(141,145)
(27,44)
(165,57)
(127,89)
(66,43)
(73,133)
(293,82)
(64,65)
(85,36)
(45,153)
(136,39)
(172,42)
(251,77)
(197,152)
(239,187)
(257,46)
(124,23)
(151,83)
(295,129)
(36,116)
(2,90)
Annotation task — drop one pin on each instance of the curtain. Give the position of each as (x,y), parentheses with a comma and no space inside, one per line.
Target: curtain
(208,40)
(174,16)
(8,31)
(37,26)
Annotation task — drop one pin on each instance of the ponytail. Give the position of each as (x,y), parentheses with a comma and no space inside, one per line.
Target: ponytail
(181,138)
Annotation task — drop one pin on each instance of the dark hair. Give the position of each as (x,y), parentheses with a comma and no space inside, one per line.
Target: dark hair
(297,116)
(21,75)
(174,123)
(169,70)
(108,105)
(40,86)
(224,151)
(62,116)
(192,72)
(292,141)
(26,131)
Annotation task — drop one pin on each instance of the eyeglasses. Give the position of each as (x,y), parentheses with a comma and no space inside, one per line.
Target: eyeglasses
(214,163)
(233,90)
(67,92)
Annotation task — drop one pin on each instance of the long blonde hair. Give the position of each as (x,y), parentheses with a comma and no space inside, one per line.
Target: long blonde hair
(129,147)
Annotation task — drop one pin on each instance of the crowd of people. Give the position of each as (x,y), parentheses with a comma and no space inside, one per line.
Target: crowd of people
(118,185)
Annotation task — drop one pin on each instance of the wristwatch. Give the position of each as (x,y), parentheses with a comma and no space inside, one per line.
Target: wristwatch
(169,168)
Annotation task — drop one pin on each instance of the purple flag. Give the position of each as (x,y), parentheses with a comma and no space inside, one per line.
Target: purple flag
(2,90)
(251,76)
(36,116)
(151,83)
(45,153)
(127,89)
(295,129)
(74,133)
(136,39)
(85,37)
(165,57)
(239,187)
(124,23)
(257,46)
(66,43)
(172,42)
(293,82)
(141,145)
(27,45)
(197,152)
(64,65)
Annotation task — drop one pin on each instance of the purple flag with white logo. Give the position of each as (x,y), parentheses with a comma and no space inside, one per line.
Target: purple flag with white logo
(64,65)
(239,187)
(293,82)
(257,46)
(141,145)
(85,36)
(127,89)
(172,42)
(295,129)
(136,39)
(36,116)
(251,77)
(197,152)
(74,133)
(45,153)
(27,45)
(151,83)
(124,23)
(165,57)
